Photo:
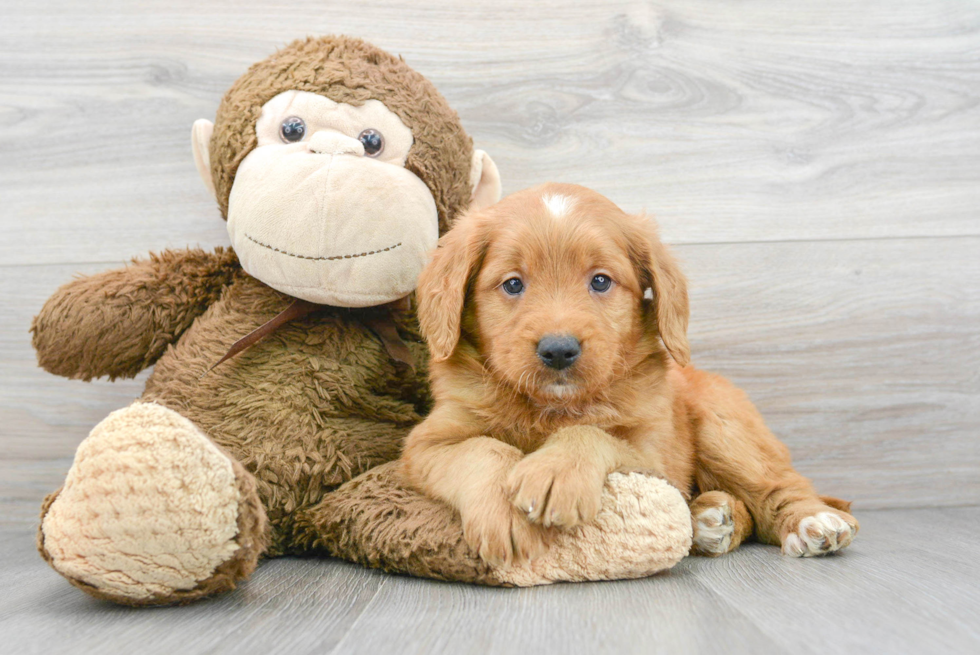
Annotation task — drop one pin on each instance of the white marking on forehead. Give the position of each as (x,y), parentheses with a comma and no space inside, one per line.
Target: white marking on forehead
(558,205)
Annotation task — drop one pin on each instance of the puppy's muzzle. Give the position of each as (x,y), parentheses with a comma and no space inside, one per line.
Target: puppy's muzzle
(559,351)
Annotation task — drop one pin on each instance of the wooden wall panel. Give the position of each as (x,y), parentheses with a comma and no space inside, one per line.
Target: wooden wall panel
(817,167)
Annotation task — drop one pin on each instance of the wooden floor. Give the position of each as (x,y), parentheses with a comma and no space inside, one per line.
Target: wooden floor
(816,167)
(908,585)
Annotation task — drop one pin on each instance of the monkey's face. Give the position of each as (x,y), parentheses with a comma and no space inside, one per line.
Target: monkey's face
(324,209)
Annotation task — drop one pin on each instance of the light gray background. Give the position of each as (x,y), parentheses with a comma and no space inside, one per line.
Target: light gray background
(816,166)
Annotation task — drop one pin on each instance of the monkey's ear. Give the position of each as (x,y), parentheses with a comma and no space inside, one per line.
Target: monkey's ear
(201,144)
(485,180)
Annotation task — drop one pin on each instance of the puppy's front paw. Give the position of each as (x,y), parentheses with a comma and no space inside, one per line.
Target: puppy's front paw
(501,535)
(714,528)
(820,534)
(551,492)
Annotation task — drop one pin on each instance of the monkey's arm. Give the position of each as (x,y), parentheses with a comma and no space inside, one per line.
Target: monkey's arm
(119,322)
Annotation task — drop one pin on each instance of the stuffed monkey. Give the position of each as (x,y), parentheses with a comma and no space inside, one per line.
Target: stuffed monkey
(291,364)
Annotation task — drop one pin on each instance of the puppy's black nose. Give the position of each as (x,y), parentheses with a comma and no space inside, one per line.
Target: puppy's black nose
(559,351)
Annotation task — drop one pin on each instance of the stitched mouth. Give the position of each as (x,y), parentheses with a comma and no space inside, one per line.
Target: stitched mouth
(323,259)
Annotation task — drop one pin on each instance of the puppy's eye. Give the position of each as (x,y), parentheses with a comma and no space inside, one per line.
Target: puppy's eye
(513,286)
(601,283)
(292,129)
(373,142)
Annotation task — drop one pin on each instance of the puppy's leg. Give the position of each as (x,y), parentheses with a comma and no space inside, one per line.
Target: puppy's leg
(469,473)
(721,523)
(560,484)
(738,454)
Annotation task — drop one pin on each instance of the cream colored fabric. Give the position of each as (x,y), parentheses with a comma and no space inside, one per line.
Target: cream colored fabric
(200,145)
(644,526)
(484,180)
(322,115)
(320,220)
(150,505)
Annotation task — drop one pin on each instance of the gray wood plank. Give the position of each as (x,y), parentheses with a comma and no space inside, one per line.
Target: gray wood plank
(878,596)
(863,357)
(671,613)
(289,605)
(733,122)
(892,591)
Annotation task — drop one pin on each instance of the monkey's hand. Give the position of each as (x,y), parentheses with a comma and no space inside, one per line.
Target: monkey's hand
(119,322)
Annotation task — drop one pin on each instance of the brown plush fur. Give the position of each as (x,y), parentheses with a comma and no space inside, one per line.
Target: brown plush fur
(519,448)
(118,323)
(320,400)
(379,521)
(306,409)
(349,70)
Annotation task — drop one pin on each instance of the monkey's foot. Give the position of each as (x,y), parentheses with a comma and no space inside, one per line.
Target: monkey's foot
(643,526)
(152,512)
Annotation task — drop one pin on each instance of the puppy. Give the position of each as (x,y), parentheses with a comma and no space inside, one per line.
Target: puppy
(557,325)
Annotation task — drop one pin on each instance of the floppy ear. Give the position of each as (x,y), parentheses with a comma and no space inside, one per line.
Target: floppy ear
(441,291)
(669,287)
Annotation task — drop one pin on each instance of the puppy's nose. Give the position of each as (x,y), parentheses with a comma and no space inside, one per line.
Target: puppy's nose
(559,351)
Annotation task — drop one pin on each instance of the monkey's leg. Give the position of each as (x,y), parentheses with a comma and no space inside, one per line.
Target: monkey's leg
(378,520)
(153,512)
(295,471)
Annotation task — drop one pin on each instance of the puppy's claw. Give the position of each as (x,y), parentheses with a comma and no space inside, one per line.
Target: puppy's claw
(501,536)
(821,534)
(714,529)
(551,492)
(793,545)
(530,496)
(554,518)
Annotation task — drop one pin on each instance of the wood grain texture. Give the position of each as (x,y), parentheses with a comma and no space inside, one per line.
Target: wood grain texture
(732,121)
(864,357)
(887,593)
(817,166)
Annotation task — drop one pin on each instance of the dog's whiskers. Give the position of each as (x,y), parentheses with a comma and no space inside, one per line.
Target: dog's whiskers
(520,380)
(533,380)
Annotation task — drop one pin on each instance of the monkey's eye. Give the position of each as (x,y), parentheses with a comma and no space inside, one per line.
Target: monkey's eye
(373,142)
(513,286)
(600,283)
(292,129)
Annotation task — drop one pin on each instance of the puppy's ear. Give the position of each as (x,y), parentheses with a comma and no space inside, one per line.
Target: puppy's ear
(661,274)
(442,286)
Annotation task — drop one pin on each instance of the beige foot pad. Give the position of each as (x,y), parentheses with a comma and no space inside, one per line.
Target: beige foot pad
(644,526)
(149,510)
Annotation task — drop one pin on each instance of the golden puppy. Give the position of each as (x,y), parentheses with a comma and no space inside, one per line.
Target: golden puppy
(557,325)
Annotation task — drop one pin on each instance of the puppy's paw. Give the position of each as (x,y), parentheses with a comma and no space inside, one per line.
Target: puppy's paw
(549,491)
(820,534)
(501,535)
(714,528)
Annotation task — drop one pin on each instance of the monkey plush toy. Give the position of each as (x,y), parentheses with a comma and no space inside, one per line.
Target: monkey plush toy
(337,167)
